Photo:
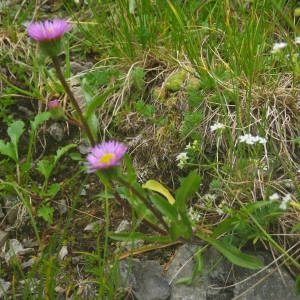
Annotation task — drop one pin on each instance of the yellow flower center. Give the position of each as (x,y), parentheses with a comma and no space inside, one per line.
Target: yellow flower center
(106,158)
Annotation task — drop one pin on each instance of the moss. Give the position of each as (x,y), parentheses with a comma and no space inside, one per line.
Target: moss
(193,84)
(176,80)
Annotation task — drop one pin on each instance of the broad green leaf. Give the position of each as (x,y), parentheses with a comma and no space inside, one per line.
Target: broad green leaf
(235,255)
(227,225)
(154,185)
(39,119)
(8,150)
(142,211)
(53,190)
(46,212)
(96,102)
(181,228)
(45,167)
(165,207)
(15,131)
(189,185)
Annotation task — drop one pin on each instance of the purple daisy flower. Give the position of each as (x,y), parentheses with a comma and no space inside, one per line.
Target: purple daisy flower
(49,30)
(53,104)
(105,155)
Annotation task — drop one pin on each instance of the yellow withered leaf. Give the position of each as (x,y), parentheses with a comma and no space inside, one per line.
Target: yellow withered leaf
(155,186)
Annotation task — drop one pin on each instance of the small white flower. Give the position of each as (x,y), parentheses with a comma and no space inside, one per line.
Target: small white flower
(182,159)
(297,39)
(216,126)
(251,140)
(194,215)
(194,146)
(188,146)
(278,46)
(285,201)
(274,197)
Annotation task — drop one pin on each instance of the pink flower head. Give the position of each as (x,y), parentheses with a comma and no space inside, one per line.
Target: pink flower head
(105,155)
(53,104)
(49,30)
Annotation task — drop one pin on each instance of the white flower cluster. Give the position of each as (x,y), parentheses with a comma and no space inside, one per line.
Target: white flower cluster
(182,159)
(194,215)
(193,147)
(251,140)
(285,200)
(216,126)
(278,46)
(281,45)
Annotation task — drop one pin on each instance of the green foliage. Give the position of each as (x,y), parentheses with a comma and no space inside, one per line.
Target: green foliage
(138,78)
(146,110)
(10,149)
(46,166)
(234,255)
(46,212)
(190,123)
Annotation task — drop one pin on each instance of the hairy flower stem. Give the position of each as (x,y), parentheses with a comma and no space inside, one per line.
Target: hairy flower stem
(73,100)
(146,201)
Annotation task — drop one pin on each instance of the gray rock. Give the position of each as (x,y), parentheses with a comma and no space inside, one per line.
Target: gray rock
(57,131)
(84,147)
(75,86)
(218,273)
(268,285)
(182,266)
(29,263)
(62,206)
(145,278)
(77,67)
(3,238)
(4,287)
(12,209)
(123,226)
(14,248)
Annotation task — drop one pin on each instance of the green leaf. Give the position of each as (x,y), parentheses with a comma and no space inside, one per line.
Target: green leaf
(165,208)
(15,131)
(297,285)
(130,176)
(61,151)
(295,228)
(227,225)
(39,119)
(96,102)
(45,167)
(234,255)
(154,185)
(46,212)
(8,149)
(189,185)
(53,190)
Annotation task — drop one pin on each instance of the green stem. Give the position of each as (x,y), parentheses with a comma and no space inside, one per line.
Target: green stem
(125,205)
(73,100)
(146,201)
